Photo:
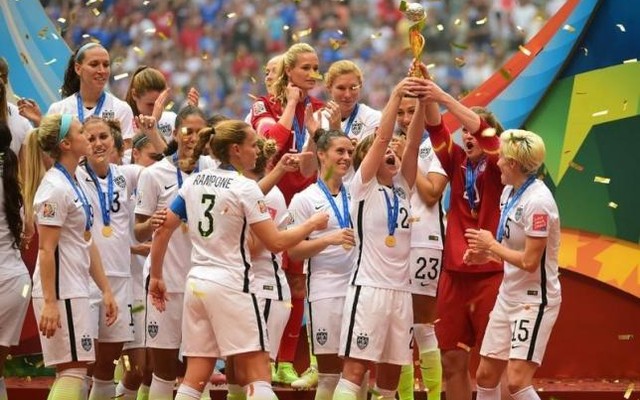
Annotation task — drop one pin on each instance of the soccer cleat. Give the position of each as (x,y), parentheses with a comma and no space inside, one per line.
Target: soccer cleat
(308,379)
(286,374)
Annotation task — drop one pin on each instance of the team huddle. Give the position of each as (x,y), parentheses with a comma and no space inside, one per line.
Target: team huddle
(166,236)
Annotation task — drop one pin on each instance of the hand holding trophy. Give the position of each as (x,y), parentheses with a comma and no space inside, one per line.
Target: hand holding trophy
(416,14)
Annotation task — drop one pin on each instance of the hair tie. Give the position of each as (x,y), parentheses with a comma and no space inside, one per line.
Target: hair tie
(84,48)
(65,124)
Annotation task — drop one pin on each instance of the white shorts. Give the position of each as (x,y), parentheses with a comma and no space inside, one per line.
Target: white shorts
(164,329)
(325,319)
(122,328)
(377,325)
(15,294)
(276,314)
(138,314)
(219,321)
(74,340)
(425,267)
(519,331)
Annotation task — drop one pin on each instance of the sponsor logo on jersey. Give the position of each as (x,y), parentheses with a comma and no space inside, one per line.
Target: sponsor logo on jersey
(322,336)
(49,209)
(152,328)
(362,341)
(108,114)
(86,342)
(532,292)
(540,222)
(258,108)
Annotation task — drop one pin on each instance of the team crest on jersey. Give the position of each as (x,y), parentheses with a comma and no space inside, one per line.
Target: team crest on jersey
(424,152)
(518,214)
(120,182)
(86,342)
(165,129)
(258,108)
(356,128)
(362,341)
(152,328)
(262,207)
(108,114)
(401,193)
(322,336)
(49,209)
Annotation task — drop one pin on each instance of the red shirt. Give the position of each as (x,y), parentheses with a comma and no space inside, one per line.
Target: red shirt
(268,107)
(488,190)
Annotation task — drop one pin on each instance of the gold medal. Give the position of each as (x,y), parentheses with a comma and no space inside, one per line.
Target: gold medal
(107,231)
(390,241)
(474,213)
(87,235)
(346,246)
(185,227)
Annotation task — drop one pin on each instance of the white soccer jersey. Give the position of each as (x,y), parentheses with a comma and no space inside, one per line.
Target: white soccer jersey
(329,270)
(220,206)
(167,124)
(427,229)
(113,108)
(364,124)
(19,127)
(378,265)
(12,264)
(57,204)
(535,215)
(270,281)
(114,249)
(157,187)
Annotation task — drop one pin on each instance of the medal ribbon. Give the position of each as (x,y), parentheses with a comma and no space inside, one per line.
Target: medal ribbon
(81,196)
(352,118)
(471,174)
(392,211)
(178,172)
(98,109)
(105,199)
(298,128)
(344,220)
(510,203)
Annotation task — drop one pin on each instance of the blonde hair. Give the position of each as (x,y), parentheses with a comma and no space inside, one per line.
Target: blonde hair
(278,70)
(224,135)
(267,148)
(524,147)
(289,60)
(33,169)
(361,150)
(339,68)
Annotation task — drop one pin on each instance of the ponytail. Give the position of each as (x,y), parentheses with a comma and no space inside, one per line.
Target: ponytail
(11,185)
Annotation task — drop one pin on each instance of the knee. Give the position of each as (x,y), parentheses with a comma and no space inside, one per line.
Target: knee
(454,363)
(516,383)
(486,377)
(354,371)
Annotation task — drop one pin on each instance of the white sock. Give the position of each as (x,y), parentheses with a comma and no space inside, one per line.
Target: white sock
(527,393)
(384,394)
(260,390)
(161,389)
(488,393)
(102,390)
(363,393)
(346,390)
(122,393)
(86,386)
(425,337)
(187,393)
(326,386)
(3,389)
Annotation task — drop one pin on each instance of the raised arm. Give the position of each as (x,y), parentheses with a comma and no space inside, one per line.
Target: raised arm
(276,241)
(409,166)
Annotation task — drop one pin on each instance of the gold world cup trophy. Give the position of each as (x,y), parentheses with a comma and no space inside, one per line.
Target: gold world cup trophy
(416,14)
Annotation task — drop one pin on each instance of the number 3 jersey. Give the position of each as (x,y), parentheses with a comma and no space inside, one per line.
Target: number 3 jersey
(535,215)
(219,206)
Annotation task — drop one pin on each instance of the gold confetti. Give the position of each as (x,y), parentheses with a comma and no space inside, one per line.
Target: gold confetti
(231,15)
(25,290)
(432,65)
(95,11)
(459,46)
(629,61)
(464,347)
(127,364)
(120,76)
(458,21)
(24,58)
(305,32)
(150,31)
(289,305)
(481,21)
(137,309)
(329,173)
(162,36)
(440,27)
(459,62)
(576,166)
(621,27)
(253,79)
(335,43)
(601,179)
(376,35)
(88,3)
(205,56)
(630,388)
(340,32)
(626,336)
(614,205)
(42,33)
(600,113)
(569,28)
(145,2)
(316,75)
(62,20)
(524,50)
(505,74)
(489,132)
(252,96)
(138,50)
(520,29)
(196,292)
(169,106)
(53,60)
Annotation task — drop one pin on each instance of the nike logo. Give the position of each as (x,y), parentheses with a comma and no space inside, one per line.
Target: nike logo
(318,207)
(88,180)
(167,187)
(76,200)
(424,284)
(513,346)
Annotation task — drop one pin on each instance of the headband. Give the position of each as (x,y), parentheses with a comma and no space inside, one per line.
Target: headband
(84,48)
(139,141)
(65,124)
